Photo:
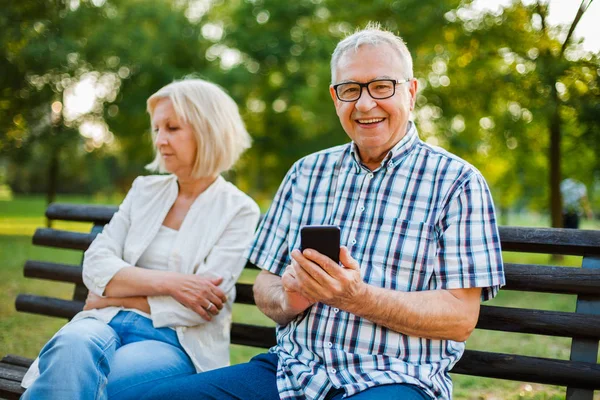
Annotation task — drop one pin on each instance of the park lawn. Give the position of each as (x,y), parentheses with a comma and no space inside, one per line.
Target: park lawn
(25,334)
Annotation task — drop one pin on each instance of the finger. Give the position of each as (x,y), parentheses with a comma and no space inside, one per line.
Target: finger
(201,311)
(211,308)
(216,301)
(327,264)
(216,281)
(216,291)
(347,260)
(290,283)
(315,270)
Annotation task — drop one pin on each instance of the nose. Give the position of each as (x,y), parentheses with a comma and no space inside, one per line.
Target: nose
(365,102)
(161,138)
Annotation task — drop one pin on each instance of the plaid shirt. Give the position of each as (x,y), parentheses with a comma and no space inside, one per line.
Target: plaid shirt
(424,220)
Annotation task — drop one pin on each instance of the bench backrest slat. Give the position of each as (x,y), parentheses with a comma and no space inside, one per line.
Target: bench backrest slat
(539,322)
(541,278)
(550,240)
(98,214)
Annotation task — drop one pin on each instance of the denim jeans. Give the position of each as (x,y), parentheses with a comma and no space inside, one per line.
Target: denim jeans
(256,380)
(89,359)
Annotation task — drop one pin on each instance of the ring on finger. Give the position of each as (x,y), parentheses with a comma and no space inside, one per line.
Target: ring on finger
(210,305)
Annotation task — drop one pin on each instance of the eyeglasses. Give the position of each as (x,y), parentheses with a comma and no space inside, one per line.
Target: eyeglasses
(378,89)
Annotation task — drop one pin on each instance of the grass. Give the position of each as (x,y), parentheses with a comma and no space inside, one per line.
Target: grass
(25,334)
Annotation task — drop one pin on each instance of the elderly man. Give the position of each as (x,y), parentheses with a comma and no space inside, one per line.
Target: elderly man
(421,249)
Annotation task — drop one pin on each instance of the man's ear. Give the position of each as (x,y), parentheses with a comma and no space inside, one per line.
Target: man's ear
(333,95)
(412,88)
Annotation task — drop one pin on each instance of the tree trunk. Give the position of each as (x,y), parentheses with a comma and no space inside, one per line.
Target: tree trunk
(52,182)
(555,170)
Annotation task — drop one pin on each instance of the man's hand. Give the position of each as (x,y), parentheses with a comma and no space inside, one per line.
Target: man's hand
(321,279)
(202,295)
(294,300)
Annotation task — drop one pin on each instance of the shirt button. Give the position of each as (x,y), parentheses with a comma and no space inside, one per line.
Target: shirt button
(336,310)
(353,241)
(361,209)
(370,175)
(329,344)
(332,370)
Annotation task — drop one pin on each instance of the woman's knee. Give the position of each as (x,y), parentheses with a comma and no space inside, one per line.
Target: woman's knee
(82,338)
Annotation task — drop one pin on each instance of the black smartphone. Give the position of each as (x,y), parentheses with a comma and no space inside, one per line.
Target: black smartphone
(323,238)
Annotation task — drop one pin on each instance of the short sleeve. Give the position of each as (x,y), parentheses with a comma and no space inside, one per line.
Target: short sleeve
(269,249)
(469,253)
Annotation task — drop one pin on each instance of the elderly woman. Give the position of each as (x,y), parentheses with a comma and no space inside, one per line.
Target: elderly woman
(161,275)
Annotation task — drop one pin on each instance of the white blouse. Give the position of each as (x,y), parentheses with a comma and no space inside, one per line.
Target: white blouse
(156,257)
(210,243)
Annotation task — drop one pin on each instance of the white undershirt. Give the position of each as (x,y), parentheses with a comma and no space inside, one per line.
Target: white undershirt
(156,255)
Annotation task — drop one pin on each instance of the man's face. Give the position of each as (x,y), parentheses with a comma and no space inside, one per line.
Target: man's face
(374,125)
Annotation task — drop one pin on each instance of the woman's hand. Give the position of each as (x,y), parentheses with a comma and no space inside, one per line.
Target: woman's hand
(202,295)
(94,301)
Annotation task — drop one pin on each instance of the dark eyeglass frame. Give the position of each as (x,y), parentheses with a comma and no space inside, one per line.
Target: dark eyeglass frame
(366,85)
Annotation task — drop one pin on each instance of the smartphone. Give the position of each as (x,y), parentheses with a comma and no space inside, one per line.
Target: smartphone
(323,238)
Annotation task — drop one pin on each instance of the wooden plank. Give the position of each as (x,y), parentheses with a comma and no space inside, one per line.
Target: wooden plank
(98,214)
(537,240)
(529,369)
(585,349)
(253,335)
(16,360)
(12,372)
(551,323)
(48,306)
(62,239)
(10,390)
(550,240)
(53,271)
(244,294)
(549,279)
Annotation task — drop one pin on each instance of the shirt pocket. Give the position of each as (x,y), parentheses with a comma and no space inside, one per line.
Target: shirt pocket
(404,255)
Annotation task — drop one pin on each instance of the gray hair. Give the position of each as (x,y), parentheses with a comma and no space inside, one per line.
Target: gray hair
(372,35)
(219,130)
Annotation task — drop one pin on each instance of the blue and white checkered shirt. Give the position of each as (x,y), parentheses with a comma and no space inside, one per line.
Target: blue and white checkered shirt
(424,220)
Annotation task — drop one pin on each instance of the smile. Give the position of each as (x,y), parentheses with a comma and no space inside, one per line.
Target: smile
(370,120)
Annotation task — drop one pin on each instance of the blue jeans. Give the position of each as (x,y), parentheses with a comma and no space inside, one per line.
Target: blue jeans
(255,380)
(88,359)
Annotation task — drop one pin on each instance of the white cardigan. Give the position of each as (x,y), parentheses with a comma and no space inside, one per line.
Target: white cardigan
(211,243)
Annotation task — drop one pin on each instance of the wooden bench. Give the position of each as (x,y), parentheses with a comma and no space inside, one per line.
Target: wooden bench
(580,374)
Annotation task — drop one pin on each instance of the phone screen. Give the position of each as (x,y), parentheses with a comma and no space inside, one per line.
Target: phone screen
(323,238)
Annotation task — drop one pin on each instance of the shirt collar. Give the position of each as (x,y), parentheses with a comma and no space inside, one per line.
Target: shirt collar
(396,154)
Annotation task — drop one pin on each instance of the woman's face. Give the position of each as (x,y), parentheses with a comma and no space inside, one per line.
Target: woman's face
(174,139)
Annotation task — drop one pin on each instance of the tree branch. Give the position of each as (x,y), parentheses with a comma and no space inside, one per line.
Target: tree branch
(582,9)
(542,12)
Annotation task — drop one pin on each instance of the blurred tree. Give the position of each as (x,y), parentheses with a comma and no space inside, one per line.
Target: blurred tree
(122,52)
(502,79)
(281,75)
(487,83)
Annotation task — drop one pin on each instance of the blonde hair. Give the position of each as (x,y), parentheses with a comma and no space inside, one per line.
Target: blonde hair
(372,35)
(220,134)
